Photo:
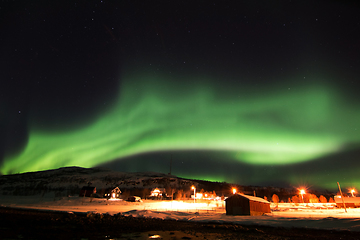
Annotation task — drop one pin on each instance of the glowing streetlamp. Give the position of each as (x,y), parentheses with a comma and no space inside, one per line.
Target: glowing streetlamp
(234,190)
(352,191)
(194,188)
(302,192)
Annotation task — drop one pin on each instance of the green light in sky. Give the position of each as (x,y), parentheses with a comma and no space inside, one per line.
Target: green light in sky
(209,177)
(256,126)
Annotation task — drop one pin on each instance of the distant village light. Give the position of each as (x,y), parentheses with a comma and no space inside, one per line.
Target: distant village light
(156,192)
(352,191)
(234,190)
(302,192)
(194,188)
(199,195)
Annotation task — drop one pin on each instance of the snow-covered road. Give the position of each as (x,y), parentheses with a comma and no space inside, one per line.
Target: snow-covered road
(286,216)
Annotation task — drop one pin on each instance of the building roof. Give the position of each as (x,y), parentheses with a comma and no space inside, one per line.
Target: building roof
(257,199)
(116,189)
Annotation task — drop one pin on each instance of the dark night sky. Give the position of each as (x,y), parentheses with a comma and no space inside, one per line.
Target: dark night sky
(250,92)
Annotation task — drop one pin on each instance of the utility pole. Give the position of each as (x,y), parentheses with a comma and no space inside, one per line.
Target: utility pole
(342,198)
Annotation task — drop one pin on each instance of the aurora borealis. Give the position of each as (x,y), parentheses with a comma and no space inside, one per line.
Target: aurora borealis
(230,99)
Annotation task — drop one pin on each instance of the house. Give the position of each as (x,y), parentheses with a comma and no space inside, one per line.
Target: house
(239,204)
(158,192)
(87,191)
(351,202)
(112,193)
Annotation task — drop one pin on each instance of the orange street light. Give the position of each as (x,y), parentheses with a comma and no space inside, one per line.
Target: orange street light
(234,190)
(302,192)
(352,191)
(194,188)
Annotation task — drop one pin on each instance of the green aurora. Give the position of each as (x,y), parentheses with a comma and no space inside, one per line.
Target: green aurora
(273,126)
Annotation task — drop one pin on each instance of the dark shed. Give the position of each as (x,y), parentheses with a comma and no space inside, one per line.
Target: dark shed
(239,204)
(87,191)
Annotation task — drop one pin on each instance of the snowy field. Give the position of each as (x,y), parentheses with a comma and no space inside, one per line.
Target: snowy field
(318,216)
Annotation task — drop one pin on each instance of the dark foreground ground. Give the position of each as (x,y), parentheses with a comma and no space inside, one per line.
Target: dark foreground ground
(33,224)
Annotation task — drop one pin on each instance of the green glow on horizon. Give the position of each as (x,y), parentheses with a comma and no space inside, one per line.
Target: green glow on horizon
(270,126)
(210,178)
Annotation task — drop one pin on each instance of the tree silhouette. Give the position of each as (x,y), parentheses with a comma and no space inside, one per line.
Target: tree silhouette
(275,199)
(323,199)
(295,199)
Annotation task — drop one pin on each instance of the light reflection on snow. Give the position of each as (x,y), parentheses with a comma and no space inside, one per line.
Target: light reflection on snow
(114,199)
(155,236)
(184,205)
(321,216)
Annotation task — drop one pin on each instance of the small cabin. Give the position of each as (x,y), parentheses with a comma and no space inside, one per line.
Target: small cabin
(87,191)
(112,193)
(239,204)
(157,193)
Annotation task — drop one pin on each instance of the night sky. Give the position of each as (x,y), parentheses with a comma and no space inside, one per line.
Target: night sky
(248,92)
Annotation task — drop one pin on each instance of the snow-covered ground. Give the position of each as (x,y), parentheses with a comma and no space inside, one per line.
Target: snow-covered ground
(319,216)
